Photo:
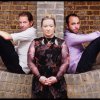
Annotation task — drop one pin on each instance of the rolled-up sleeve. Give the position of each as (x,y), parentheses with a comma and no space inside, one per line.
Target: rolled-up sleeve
(24,35)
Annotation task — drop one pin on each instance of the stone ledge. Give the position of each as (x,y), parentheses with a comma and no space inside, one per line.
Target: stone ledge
(14,85)
(83,85)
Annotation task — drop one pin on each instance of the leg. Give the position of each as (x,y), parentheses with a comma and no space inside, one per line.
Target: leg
(9,56)
(89,56)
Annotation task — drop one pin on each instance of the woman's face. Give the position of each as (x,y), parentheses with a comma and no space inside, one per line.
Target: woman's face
(48,28)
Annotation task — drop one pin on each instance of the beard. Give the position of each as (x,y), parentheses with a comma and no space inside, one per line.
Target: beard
(74,31)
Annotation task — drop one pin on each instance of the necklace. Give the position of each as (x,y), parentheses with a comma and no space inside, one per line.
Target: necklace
(49,41)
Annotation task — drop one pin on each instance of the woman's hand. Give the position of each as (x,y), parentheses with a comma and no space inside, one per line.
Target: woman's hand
(48,81)
(43,80)
(51,80)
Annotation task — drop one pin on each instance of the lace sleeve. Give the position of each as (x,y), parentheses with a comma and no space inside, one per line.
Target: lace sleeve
(31,65)
(65,62)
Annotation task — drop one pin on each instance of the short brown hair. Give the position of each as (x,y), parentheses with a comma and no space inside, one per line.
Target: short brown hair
(28,14)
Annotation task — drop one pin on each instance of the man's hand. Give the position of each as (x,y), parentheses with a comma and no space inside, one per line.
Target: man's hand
(5,35)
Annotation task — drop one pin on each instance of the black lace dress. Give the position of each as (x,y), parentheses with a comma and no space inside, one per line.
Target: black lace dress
(48,59)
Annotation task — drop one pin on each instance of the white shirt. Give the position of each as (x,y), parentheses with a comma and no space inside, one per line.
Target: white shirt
(24,39)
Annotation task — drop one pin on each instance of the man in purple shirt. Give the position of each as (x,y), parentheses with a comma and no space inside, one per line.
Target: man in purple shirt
(81,60)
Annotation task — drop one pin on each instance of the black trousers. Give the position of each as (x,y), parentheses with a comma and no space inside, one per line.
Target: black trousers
(9,56)
(88,57)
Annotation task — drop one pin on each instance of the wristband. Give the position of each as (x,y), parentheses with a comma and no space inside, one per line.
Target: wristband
(57,78)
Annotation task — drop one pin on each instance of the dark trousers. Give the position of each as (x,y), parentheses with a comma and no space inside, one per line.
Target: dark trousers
(88,57)
(9,56)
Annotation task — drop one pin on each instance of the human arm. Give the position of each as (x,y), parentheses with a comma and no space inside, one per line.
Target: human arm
(27,35)
(74,39)
(65,62)
(5,35)
(32,66)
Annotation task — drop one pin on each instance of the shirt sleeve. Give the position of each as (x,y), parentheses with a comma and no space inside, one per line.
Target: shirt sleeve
(31,65)
(26,35)
(65,62)
(73,38)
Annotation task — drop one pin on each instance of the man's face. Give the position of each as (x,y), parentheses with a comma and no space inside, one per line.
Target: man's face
(74,24)
(24,23)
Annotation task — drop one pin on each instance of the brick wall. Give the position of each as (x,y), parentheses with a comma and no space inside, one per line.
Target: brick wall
(9,11)
(89,12)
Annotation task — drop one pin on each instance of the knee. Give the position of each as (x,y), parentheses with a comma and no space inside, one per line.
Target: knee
(96,43)
(1,38)
(97,40)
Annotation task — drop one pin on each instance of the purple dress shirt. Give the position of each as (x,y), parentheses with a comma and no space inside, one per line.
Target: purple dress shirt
(74,43)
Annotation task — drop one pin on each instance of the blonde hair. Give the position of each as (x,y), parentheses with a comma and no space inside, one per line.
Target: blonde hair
(48,16)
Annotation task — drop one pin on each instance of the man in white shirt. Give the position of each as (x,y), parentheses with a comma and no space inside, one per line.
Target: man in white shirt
(15,59)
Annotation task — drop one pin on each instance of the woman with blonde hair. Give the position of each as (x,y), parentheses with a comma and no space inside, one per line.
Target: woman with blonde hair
(48,59)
